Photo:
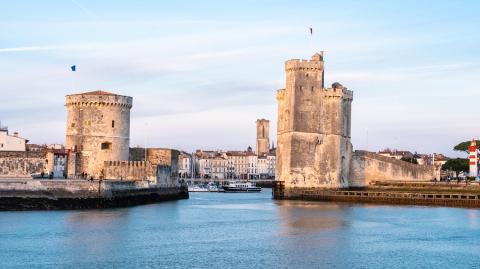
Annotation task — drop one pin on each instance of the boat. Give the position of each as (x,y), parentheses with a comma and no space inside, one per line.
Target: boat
(214,188)
(241,187)
(197,188)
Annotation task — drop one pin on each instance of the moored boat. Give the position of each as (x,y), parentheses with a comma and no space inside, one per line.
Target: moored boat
(197,188)
(241,187)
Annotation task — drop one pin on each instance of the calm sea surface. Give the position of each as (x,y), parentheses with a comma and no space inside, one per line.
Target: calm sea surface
(219,230)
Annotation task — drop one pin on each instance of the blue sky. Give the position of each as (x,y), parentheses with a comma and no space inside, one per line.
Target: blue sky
(202,72)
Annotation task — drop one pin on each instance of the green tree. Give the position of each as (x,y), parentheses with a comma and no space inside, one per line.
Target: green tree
(409,160)
(464,146)
(456,165)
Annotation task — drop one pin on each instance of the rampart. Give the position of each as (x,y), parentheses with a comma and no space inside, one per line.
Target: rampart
(22,164)
(130,170)
(157,156)
(368,167)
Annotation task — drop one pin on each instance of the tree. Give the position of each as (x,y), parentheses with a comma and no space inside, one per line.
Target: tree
(464,146)
(456,165)
(409,160)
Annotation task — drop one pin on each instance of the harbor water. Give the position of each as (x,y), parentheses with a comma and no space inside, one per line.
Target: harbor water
(242,230)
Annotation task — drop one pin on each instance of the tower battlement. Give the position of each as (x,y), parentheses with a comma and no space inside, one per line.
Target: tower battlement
(338,93)
(314,64)
(98,98)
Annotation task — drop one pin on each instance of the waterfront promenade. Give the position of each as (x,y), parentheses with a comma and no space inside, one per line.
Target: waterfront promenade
(244,230)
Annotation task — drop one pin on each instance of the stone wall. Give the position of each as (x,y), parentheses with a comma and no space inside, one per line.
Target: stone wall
(130,170)
(165,177)
(15,164)
(368,167)
(157,156)
(32,194)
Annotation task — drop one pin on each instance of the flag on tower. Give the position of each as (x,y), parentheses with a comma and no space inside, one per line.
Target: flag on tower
(311,31)
(73,67)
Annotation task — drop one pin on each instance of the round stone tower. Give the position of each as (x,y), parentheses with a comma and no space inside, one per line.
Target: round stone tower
(98,130)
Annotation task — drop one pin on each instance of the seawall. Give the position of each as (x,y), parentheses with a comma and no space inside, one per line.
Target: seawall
(396,193)
(31,194)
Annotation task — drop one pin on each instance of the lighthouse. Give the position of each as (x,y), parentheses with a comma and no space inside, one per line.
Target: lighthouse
(473,159)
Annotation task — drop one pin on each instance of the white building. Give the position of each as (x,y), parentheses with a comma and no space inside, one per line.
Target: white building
(185,165)
(11,142)
(266,166)
(252,166)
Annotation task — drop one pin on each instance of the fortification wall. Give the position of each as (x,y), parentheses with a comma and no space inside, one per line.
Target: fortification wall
(130,170)
(368,167)
(22,164)
(157,156)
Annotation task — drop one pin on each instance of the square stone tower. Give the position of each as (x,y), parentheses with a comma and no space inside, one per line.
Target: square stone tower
(314,148)
(263,133)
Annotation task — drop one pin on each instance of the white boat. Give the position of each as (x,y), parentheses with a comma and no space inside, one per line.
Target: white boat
(214,188)
(241,187)
(196,188)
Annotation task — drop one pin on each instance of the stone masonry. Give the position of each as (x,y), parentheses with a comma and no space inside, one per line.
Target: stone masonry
(313,136)
(22,164)
(263,141)
(98,130)
(314,133)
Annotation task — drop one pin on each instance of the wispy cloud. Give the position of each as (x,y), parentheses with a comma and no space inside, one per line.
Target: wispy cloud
(83,8)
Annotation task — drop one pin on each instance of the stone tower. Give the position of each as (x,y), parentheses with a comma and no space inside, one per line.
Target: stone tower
(98,130)
(263,133)
(313,137)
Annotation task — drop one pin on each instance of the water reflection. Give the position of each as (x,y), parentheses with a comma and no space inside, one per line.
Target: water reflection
(308,231)
(93,234)
(473,216)
(304,217)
